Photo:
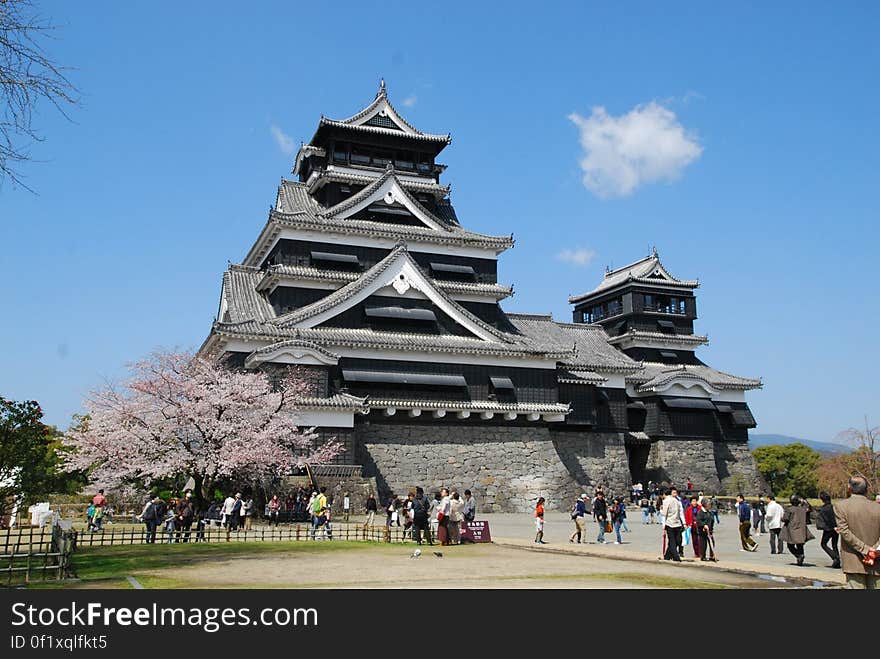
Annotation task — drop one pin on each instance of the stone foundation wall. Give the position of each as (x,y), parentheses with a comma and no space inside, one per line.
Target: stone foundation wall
(717,467)
(506,467)
(737,469)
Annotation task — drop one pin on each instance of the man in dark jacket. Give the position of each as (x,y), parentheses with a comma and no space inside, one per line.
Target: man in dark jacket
(744,511)
(827,523)
(600,512)
(420,506)
(705,523)
(184,516)
(794,528)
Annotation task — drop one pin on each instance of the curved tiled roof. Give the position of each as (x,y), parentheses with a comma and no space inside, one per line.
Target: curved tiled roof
(475,405)
(360,196)
(588,344)
(567,376)
(386,131)
(336,175)
(293,343)
(634,334)
(642,271)
(243,302)
(381,101)
(279,272)
(655,375)
(380,340)
(336,402)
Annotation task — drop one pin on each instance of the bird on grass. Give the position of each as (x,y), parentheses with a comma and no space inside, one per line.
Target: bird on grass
(416,553)
(438,554)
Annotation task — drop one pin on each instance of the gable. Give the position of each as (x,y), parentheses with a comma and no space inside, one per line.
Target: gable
(389,196)
(397,277)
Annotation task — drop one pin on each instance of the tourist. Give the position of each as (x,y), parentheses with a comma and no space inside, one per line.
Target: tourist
(289,503)
(274,509)
(690,485)
(600,514)
(371,506)
(715,509)
(421,507)
(744,511)
(226,517)
(706,526)
(578,514)
(99,500)
(652,510)
(672,518)
(97,518)
(184,513)
(690,517)
(346,506)
(645,506)
(539,521)
(234,517)
(794,528)
(90,516)
(148,517)
(169,525)
(858,521)
(318,510)
(617,513)
(470,507)
(756,518)
(773,518)
(762,513)
(247,513)
(827,523)
(443,511)
(390,512)
(432,513)
(408,515)
(456,517)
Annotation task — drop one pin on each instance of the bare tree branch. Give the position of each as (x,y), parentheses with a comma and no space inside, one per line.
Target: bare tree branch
(28,77)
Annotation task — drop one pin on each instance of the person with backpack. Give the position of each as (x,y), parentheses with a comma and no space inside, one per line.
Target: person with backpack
(149,518)
(420,508)
(90,516)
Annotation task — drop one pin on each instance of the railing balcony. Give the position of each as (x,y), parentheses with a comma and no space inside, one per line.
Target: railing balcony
(664,308)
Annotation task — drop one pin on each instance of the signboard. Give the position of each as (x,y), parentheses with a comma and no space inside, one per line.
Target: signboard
(475,532)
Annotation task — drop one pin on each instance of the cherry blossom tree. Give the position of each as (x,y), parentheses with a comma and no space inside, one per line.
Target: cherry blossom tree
(180,414)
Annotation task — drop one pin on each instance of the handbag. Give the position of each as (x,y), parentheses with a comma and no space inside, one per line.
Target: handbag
(608,528)
(687,536)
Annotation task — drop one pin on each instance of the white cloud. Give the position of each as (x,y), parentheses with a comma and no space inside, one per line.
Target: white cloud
(580,256)
(284,141)
(409,101)
(621,153)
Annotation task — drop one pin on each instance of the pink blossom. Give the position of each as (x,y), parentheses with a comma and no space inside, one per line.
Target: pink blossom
(180,414)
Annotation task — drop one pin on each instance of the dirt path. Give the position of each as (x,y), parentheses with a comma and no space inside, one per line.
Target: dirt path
(469,566)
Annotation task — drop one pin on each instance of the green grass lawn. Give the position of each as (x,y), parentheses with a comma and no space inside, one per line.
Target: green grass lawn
(117,562)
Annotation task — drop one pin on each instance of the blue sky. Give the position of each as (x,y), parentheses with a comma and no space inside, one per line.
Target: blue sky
(173,159)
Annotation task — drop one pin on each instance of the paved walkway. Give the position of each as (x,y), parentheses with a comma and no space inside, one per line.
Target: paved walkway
(643,543)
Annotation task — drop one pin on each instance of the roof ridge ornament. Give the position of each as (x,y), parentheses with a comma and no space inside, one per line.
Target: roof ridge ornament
(382,91)
(654,251)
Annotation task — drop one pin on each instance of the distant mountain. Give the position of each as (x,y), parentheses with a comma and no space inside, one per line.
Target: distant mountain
(823,447)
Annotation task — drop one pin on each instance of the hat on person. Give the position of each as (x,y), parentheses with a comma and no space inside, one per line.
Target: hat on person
(584,496)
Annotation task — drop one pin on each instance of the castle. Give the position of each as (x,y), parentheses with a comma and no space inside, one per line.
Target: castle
(365,278)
